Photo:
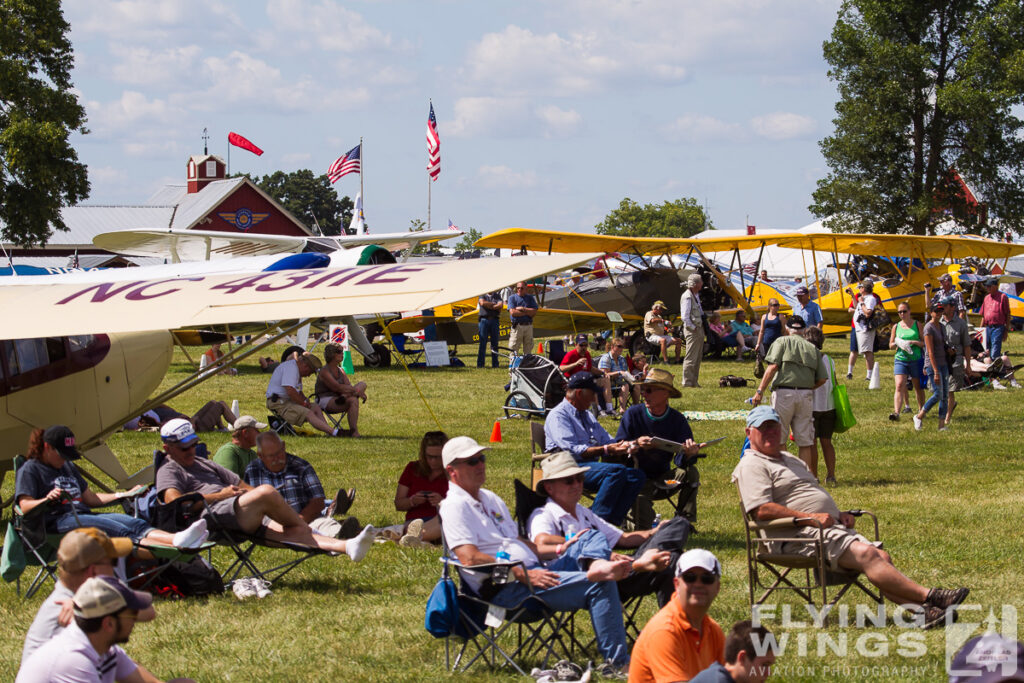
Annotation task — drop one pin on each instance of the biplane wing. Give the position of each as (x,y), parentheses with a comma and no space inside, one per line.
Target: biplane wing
(199,301)
(914,246)
(550,241)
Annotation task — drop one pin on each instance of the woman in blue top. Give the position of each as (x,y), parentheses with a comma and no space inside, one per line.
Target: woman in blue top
(772,323)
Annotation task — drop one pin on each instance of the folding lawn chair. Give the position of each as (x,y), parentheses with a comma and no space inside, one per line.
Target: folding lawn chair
(27,543)
(778,567)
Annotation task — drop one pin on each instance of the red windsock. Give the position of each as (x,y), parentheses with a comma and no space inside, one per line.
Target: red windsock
(238,141)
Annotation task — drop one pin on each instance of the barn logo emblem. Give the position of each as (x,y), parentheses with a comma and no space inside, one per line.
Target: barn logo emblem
(243,218)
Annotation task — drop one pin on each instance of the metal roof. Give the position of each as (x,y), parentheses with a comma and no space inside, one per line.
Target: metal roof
(85,222)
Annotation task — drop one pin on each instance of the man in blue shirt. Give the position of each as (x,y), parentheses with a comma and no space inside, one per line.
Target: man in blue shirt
(570,426)
(521,308)
(807,309)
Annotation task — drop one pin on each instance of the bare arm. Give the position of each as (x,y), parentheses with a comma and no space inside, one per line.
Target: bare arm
(769,374)
(296,397)
(312,509)
(769,511)
(760,332)
(469,555)
(404,501)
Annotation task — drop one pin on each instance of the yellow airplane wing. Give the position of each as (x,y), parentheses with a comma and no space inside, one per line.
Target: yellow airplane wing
(927,247)
(199,301)
(577,242)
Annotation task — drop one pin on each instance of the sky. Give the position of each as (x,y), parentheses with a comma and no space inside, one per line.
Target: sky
(549,113)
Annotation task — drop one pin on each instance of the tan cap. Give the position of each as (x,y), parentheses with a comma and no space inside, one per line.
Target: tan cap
(247,421)
(312,359)
(86,546)
(102,596)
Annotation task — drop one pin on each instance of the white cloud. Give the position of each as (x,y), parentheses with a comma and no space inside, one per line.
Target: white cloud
(326,25)
(696,128)
(509,118)
(783,125)
(129,110)
(296,158)
(157,69)
(504,178)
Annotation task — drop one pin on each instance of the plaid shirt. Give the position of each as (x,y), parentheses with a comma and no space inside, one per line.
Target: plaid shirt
(297,482)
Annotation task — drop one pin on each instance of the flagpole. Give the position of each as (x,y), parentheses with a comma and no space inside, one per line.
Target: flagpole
(428,201)
(362,172)
(229,160)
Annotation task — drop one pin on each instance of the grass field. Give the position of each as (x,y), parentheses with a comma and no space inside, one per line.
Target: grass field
(949,507)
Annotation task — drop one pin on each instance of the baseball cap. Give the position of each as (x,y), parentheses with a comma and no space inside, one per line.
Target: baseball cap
(699,558)
(179,431)
(313,360)
(247,421)
(988,658)
(945,276)
(801,290)
(460,448)
(87,546)
(795,322)
(658,304)
(102,596)
(582,380)
(581,338)
(761,414)
(63,441)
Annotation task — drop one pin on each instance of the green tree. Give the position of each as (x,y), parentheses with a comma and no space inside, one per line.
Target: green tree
(311,199)
(466,243)
(679,218)
(926,88)
(39,171)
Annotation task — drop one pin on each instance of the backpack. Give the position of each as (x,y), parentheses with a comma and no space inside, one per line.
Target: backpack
(194,578)
(732,381)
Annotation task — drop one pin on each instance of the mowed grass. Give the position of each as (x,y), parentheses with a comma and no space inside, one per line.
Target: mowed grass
(949,507)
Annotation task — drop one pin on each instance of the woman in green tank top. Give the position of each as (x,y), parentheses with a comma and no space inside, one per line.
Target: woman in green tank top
(906,339)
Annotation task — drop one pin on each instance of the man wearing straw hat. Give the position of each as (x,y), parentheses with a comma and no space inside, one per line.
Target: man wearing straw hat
(656,418)
(693,329)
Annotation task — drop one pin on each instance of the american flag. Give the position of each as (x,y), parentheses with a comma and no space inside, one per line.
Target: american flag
(347,163)
(750,268)
(452,226)
(433,146)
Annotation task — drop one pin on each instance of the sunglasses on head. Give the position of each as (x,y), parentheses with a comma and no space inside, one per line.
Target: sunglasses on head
(706,579)
(475,460)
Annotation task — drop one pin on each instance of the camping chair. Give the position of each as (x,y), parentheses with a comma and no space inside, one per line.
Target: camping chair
(27,543)
(778,567)
(180,513)
(484,624)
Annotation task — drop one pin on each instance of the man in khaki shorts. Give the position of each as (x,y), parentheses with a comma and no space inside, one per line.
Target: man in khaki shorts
(795,365)
(286,400)
(775,485)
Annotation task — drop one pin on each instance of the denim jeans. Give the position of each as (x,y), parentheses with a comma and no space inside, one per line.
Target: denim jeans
(996,334)
(574,592)
(940,390)
(111,523)
(616,488)
(487,328)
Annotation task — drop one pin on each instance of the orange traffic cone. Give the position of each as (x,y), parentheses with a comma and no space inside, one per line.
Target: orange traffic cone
(496,432)
(540,348)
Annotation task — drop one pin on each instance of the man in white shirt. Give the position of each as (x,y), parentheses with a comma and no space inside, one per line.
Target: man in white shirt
(285,397)
(693,329)
(477,526)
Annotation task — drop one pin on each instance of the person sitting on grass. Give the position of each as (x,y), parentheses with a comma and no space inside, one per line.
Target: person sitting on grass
(50,484)
(238,453)
(206,419)
(335,393)
(421,488)
(775,485)
(297,482)
(213,356)
(230,503)
(743,664)
(285,398)
(105,612)
(559,523)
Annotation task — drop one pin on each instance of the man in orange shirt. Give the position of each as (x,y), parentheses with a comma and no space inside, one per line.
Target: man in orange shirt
(681,640)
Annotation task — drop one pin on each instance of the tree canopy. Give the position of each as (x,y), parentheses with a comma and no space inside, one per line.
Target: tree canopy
(679,218)
(39,170)
(311,199)
(466,243)
(928,90)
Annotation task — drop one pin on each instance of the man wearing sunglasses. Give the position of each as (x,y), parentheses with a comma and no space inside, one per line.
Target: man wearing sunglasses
(570,426)
(775,485)
(681,640)
(477,526)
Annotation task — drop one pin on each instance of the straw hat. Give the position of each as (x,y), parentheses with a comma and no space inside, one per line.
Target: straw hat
(558,465)
(659,377)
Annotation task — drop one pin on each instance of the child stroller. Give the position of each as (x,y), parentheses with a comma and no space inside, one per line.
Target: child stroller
(536,386)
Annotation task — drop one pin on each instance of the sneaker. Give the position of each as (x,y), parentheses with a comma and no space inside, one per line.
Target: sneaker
(943,427)
(415,528)
(946,597)
(996,384)
(894,417)
(934,616)
(830,481)
(342,502)
(244,588)
(350,528)
(356,548)
(906,409)
(192,537)
(410,541)
(849,375)
(261,586)
(917,423)
(610,672)
(567,671)
(1015,384)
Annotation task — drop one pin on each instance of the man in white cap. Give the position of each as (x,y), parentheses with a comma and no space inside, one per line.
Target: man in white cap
(477,526)
(681,640)
(775,485)
(236,454)
(230,503)
(83,553)
(88,651)
(655,331)
(693,329)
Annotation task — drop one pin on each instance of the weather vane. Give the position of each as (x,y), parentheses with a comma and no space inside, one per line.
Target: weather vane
(206,137)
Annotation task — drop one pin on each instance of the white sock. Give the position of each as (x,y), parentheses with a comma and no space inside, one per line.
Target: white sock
(356,548)
(849,369)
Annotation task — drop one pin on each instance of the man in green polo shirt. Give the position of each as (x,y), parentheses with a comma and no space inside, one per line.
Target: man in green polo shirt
(795,365)
(238,453)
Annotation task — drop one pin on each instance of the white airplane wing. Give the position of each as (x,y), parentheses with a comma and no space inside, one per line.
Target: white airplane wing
(393,241)
(201,300)
(195,245)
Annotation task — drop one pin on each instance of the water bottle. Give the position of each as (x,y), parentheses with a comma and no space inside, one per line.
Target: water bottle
(749,401)
(657,521)
(570,532)
(503,555)
(500,573)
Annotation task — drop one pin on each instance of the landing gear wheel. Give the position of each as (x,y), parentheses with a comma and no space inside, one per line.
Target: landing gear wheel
(381,357)
(519,405)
